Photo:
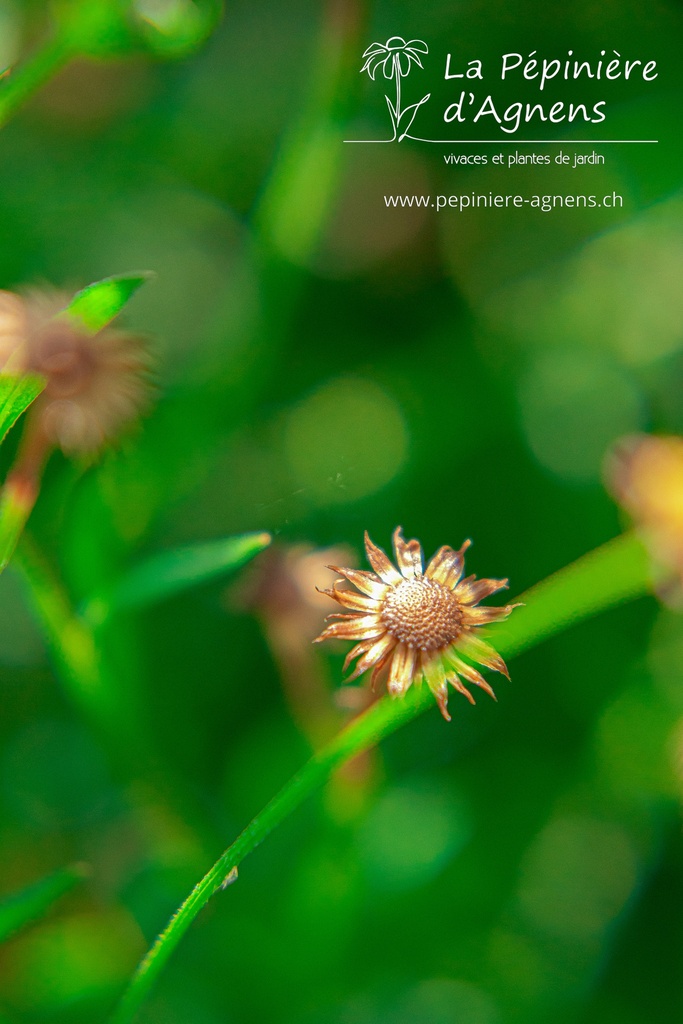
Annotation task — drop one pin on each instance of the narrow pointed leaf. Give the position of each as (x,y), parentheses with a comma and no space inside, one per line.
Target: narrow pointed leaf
(171,572)
(96,305)
(16,394)
(414,107)
(31,904)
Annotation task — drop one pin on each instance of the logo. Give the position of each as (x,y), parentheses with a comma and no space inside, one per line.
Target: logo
(506,95)
(396,57)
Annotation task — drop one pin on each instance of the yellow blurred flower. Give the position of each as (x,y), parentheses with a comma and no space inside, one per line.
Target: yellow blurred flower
(645,474)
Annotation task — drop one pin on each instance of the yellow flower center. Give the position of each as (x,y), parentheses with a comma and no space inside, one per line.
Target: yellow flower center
(422,613)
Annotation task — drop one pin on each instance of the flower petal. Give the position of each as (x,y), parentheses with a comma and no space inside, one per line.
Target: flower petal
(356,652)
(447,565)
(373,62)
(414,57)
(472,590)
(478,650)
(403,63)
(434,672)
(381,564)
(378,669)
(435,675)
(375,654)
(344,615)
(389,67)
(402,670)
(374,48)
(417,44)
(470,673)
(479,616)
(457,684)
(367,582)
(349,599)
(363,628)
(408,555)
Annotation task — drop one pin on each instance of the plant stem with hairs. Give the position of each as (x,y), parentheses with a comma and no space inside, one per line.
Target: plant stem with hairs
(612,574)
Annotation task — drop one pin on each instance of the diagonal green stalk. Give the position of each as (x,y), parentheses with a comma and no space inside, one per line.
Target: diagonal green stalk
(616,572)
(20,85)
(71,642)
(16,504)
(69,639)
(31,904)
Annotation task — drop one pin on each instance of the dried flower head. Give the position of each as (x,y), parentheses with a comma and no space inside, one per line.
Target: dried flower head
(417,622)
(96,384)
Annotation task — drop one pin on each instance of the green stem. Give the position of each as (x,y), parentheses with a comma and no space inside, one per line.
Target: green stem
(21,84)
(617,571)
(31,904)
(614,573)
(16,503)
(70,640)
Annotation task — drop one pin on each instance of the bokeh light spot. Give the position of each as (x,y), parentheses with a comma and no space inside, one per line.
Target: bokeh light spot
(631,743)
(446,1001)
(411,834)
(75,958)
(573,405)
(577,878)
(345,441)
(620,292)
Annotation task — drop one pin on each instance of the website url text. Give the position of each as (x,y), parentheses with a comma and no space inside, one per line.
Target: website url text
(473,201)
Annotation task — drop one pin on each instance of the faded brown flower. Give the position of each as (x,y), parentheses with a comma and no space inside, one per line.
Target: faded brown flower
(96,384)
(417,623)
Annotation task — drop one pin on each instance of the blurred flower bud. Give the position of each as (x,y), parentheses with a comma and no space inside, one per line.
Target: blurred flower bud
(281,591)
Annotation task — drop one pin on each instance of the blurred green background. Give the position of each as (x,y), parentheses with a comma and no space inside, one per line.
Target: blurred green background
(326,365)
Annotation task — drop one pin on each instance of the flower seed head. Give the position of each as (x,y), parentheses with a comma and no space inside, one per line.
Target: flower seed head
(415,623)
(422,613)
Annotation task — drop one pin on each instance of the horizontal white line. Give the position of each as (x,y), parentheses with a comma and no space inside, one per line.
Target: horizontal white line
(517,142)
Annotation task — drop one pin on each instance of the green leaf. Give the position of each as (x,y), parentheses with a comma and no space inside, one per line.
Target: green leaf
(171,572)
(32,903)
(97,305)
(16,394)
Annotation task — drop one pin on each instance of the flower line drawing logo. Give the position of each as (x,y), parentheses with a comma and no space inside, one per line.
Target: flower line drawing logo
(396,58)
